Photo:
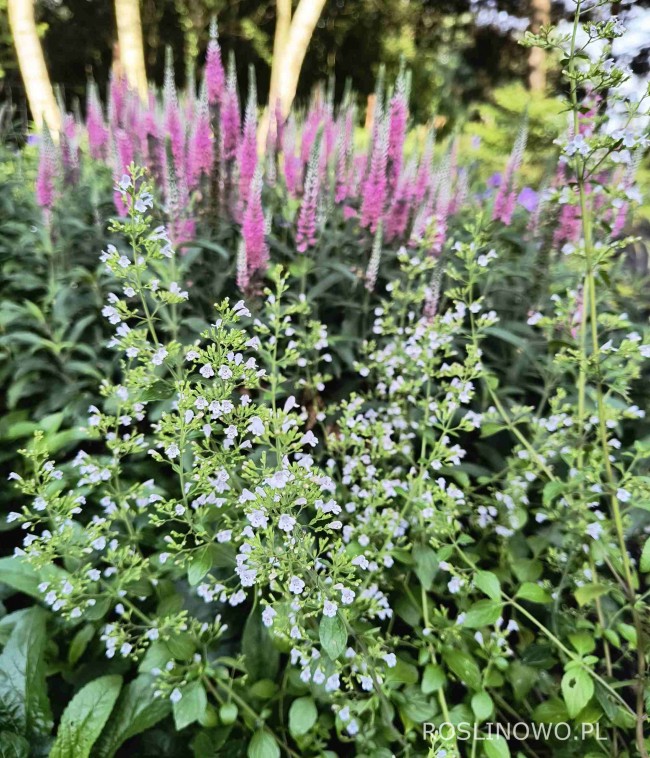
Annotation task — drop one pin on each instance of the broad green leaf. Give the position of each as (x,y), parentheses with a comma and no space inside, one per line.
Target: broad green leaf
(644,563)
(261,656)
(333,635)
(24,705)
(200,564)
(85,716)
(577,690)
(80,643)
(551,712)
(12,745)
(482,705)
(191,706)
(402,673)
(136,711)
(417,706)
(482,613)
(426,564)
(533,593)
(588,592)
(263,745)
(496,747)
(464,667)
(433,678)
(488,583)
(302,716)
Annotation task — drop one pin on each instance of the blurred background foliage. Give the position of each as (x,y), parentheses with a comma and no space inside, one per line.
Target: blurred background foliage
(455,62)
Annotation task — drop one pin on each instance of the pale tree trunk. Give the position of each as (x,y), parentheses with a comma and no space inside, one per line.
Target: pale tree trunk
(292,37)
(540,16)
(301,29)
(31,62)
(129,36)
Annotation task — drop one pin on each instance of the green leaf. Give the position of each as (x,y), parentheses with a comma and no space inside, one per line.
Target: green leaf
(302,716)
(426,564)
(482,705)
(551,712)
(644,563)
(496,747)
(417,706)
(333,635)
(80,643)
(464,667)
(488,583)
(24,705)
(191,706)
(85,716)
(263,745)
(482,613)
(200,564)
(13,745)
(588,592)
(433,679)
(533,593)
(261,656)
(136,711)
(577,690)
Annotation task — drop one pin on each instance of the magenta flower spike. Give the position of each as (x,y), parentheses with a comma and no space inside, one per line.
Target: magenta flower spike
(256,248)
(376,185)
(95,125)
(47,172)
(200,154)
(505,201)
(398,116)
(230,116)
(174,128)
(310,129)
(214,74)
(291,162)
(306,228)
(247,152)
(400,208)
(117,92)
(425,175)
(343,155)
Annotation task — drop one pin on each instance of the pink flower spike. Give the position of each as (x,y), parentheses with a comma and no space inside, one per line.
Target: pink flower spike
(247,153)
(306,228)
(47,172)
(256,248)
(215,75)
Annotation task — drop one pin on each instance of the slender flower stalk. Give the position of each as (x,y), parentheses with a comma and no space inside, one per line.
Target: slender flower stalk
(256,249)
(247,152)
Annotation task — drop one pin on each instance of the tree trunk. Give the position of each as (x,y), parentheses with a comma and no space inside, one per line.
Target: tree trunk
(31,62)
(129,36)
(282,27)
(540,16)
(300,32)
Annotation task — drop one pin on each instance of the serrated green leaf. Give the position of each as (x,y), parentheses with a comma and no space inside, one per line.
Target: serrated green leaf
(577,690)
(488,583)
(433,678)
(85,716)
(136,711)
(533,593)
(644,563)
(261,657)
(191,706)
(464,667)
(588,592)
(482,613)
(333,635)
(24,705)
